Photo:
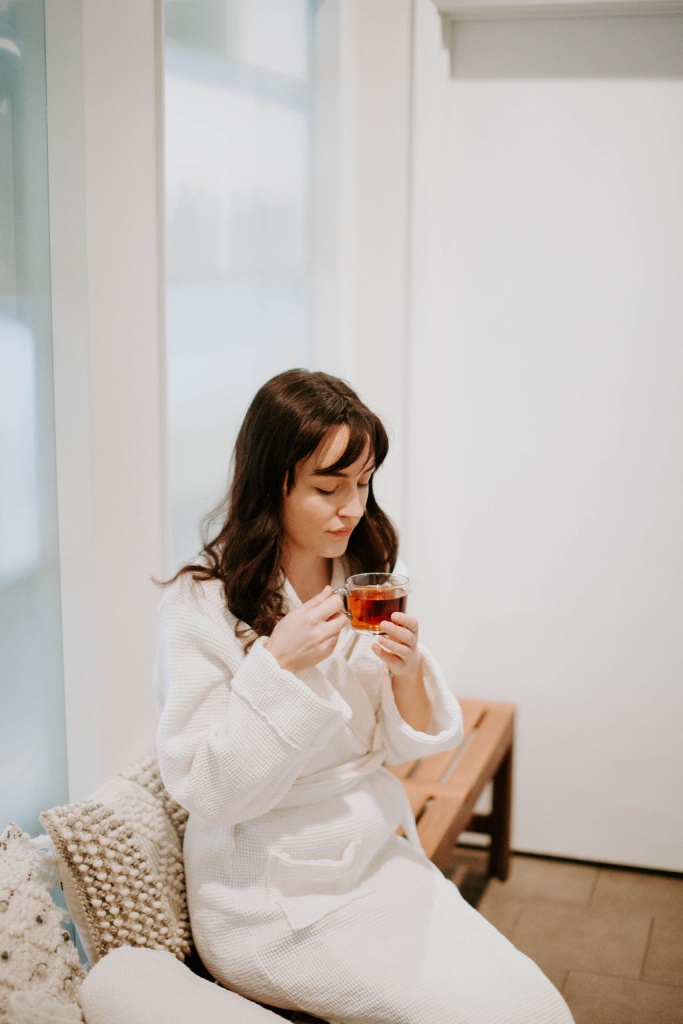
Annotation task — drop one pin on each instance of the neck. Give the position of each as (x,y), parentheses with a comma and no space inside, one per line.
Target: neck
(308,574)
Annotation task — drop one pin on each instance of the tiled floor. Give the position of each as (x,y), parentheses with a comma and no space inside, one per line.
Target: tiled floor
(610,939)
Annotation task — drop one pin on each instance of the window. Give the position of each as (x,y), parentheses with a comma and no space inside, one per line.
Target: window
(32,731)
(238,99)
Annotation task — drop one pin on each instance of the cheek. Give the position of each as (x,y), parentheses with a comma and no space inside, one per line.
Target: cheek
(320,510)
(294,514)
(311,512)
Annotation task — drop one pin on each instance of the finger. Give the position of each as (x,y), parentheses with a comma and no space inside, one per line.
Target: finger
(388,657)
(331,605)
(396,649)
(328,645)
(399,633)
(333,625)
(324,604)
(407,621)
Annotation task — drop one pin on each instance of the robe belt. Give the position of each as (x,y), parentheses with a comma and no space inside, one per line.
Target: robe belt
(314,788)
(334,781)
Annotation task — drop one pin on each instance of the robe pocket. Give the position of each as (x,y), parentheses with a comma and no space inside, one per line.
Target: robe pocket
(308,890)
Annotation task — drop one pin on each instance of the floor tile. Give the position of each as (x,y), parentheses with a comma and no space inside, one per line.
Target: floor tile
(659,895)
(596,999)
(607,941)
(664,957)
(544,879)
(501,910)
(558,976)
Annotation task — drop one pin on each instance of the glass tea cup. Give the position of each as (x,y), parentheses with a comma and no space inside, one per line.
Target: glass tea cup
(370,598)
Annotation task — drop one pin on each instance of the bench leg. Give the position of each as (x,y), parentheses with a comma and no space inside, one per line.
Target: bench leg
(500,820)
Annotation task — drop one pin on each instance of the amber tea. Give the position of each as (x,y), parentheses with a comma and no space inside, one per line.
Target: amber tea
(370,606)
(371,598)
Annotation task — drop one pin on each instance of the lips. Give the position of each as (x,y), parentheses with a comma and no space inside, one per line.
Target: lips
(341,533)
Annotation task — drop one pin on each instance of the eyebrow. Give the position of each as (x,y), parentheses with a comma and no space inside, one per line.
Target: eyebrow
(369,468)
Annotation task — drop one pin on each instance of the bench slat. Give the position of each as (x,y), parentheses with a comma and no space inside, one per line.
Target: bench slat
(484,754)
(437,840)
(433,767)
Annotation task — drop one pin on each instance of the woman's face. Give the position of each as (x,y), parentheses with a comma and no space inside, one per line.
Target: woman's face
(322,509)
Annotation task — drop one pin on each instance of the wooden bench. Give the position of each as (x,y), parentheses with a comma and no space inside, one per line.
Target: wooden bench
(443,789)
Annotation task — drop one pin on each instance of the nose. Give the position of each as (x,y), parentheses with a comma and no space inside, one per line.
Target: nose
(352,509)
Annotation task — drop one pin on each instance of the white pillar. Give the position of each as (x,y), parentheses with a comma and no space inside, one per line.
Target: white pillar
(362,168)
(104,65)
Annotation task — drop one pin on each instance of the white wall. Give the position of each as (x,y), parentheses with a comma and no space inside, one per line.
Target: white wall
(547,442)
(362,168)
(428,407)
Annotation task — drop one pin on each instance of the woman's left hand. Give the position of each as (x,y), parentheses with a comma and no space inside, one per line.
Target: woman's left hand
(398,649)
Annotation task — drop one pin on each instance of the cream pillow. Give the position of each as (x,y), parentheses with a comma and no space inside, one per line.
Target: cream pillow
(39,967)
(137,986)
(121,864)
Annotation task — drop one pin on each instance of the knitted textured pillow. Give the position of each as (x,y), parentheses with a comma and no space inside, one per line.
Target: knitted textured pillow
(121,864)
(40,972)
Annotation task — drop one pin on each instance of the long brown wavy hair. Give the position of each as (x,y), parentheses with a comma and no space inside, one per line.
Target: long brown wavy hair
(286,421)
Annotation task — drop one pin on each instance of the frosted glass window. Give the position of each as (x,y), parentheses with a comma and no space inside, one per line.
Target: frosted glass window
(238,196)
(32,730)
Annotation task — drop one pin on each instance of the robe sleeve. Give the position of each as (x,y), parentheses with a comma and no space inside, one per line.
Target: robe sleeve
(445,728)
(235,731)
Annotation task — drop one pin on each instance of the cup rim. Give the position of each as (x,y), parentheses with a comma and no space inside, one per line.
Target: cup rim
(396,580)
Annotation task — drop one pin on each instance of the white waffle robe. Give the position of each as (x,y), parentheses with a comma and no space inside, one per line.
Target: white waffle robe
(301,893)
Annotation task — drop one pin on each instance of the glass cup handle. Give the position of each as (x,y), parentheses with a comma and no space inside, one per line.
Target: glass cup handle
(344,594)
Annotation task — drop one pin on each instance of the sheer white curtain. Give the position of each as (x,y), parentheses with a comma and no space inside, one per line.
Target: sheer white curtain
(238,98)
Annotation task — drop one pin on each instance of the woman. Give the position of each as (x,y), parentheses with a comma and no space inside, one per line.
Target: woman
(276,720)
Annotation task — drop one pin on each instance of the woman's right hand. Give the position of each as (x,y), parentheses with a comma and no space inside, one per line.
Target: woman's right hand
(308,634)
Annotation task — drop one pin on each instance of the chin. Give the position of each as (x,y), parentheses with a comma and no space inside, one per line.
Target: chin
(337,547)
